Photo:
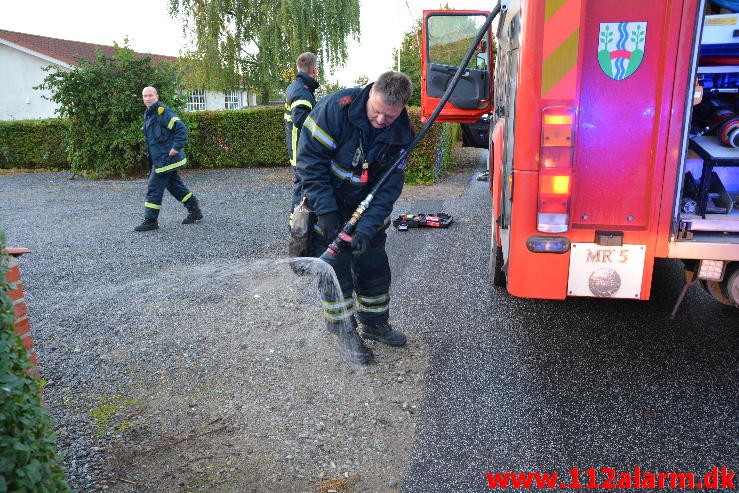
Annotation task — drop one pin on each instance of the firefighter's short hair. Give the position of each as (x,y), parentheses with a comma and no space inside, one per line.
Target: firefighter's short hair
(394,87)
(306,62)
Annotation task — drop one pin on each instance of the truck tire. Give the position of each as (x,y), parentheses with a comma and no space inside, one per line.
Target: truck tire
(497,276)
(714,289)
(726,291)
(496,259)
(730,285)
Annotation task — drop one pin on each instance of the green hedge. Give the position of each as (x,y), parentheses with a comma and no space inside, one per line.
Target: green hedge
(422,162)
(28,458)
(432,157)
(218,139)
(237,138)
(30,144)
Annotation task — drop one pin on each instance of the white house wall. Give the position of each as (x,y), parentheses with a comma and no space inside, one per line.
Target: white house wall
(250,98)
(19,74)
(216,100)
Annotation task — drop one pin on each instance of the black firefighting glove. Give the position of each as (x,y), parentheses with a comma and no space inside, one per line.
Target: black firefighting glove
(360,243)
(329,224)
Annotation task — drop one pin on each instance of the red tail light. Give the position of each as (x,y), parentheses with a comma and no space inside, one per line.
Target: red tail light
(555,169)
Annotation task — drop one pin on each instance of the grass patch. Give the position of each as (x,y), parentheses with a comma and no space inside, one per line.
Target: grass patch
(109,414)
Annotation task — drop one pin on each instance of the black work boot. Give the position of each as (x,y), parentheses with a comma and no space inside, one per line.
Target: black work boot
(147,225)
(384,333)
(193,211)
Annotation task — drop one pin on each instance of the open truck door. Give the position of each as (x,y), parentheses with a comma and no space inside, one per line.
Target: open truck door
(447,35)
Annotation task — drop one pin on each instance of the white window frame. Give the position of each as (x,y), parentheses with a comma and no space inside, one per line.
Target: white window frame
(196,100)
(231,100)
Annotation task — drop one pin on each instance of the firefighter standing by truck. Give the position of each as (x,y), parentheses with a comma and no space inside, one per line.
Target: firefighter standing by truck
(349,140)
(166,136)
(299,101)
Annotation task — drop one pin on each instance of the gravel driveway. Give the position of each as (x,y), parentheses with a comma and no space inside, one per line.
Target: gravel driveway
(191,358)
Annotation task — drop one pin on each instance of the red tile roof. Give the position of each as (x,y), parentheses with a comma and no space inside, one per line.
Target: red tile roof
(65,50)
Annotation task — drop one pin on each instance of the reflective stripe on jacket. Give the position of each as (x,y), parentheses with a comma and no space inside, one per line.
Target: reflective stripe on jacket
(328,163)
(299,101)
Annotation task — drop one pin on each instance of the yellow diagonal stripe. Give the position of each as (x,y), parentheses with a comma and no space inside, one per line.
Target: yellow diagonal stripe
(552,7)
(561,61)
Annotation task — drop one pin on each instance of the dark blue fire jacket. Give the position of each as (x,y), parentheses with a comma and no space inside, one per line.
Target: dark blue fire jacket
(299,101)
(164,131)
(330,158)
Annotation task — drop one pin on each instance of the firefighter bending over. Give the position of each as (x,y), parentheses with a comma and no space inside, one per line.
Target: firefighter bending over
(350,138)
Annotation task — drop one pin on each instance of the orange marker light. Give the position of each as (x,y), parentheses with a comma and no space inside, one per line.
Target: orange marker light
(557,119)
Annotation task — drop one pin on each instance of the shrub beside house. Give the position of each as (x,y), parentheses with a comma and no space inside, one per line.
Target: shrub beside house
(24,57)
(31,136)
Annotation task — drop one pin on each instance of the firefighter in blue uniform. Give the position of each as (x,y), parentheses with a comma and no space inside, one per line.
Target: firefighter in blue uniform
(299,101)
(166,136)
(348,141)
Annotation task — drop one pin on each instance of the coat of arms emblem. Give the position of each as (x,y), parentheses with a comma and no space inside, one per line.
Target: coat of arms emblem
(621,48)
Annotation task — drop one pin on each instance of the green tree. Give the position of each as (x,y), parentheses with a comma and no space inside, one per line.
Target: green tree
(327,88)
(102,100)
(254,43)
(410,60)
(361,81)
(458,32)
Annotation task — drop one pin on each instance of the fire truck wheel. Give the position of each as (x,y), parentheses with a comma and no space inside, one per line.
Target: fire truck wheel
(495,264)
(714,289)
(496,260)
(730,284)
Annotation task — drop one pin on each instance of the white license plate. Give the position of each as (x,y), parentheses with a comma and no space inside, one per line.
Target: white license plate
(606,271)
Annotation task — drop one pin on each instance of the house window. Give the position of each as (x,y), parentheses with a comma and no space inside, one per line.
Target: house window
(196,100)
(231,101)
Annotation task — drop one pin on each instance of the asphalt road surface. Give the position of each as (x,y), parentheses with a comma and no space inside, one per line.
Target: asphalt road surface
(547,386)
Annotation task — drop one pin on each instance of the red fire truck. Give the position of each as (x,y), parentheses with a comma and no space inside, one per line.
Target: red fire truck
(604,154)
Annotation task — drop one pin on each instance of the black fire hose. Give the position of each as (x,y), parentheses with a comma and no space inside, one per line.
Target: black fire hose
(344,236)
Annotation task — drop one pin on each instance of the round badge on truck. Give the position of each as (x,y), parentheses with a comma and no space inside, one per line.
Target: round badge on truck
(604,282)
